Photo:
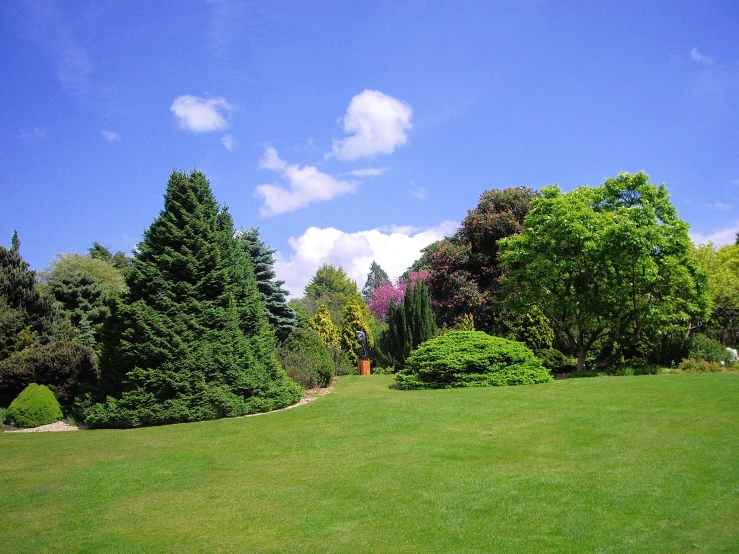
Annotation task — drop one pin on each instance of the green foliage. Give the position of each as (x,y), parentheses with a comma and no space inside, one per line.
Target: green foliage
(66,367)
(324,326)
(332,287)
(355,318)
(13,335)
(343,365)
(467,323)
(282,317)
(607,266)
(306,359)
(701,347)
(190,339)
(409,324)
(555,361)
(21,296)
(119,260)
(375,279)
(34,406)
(466,269)
(691,365)
(721,264)
(470,359)
(533,328)
(302,317)
(82,285)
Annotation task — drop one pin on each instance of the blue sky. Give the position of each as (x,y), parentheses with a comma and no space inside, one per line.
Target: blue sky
(352,131)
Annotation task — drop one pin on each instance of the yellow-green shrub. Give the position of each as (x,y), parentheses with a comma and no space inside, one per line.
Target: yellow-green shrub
(35,406)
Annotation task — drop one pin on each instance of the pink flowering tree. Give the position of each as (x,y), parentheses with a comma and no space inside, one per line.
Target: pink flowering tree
(392,292)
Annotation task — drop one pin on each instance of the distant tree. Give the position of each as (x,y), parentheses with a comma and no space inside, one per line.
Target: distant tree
(82,285)
(721,265)
(22,297)
(190,338)
(282,317)
(376,278)
(354,320)
(118,260)
(393,292)
(607,266)
(324,326)
(465,268)
(332,287)
(301,315)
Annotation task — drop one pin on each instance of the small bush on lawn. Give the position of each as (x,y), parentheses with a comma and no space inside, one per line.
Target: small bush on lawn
(470,359)
(691,365)
(307,359)
(67,368)
(35,406)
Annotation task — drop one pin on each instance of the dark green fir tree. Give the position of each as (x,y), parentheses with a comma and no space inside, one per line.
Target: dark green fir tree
(39,312)
(189,340)
(282,317)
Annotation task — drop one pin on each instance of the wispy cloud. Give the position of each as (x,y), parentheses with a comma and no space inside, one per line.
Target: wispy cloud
(716,205)
(421,193)
(394,249)
(37,133)
(201,115)
(110,136)
(229,142)
(722,236)
(304,186)
(368,172)
(696,56)
(378,123)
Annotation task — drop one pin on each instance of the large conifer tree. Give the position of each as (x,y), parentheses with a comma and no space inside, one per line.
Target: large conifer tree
(282,317)
(189,340)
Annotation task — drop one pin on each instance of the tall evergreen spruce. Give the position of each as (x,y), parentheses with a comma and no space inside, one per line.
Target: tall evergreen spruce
(282,317)
(190,339)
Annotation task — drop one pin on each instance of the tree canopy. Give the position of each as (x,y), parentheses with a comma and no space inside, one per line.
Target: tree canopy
(607,266)
(376,278)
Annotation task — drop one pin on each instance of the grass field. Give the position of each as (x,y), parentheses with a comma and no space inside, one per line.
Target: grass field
(625,464)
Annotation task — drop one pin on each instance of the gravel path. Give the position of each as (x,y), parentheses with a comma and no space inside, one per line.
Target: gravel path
(309,396)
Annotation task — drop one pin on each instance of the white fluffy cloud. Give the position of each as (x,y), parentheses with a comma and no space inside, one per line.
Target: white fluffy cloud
(700,58)
(111,136)
(377,124)
(229,142)
(304,185)
(724,236)
(200,115)
(394,249)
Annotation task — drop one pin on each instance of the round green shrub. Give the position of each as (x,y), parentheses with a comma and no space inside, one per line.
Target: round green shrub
(692,365)
(66,367)
(470,359)
(701,347)
(306,359)
(35,406)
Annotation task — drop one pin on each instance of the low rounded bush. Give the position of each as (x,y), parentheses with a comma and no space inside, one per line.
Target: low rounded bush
(306,359)
(64,367)
(470,359)
(35,406)
(691,365)
(555,361)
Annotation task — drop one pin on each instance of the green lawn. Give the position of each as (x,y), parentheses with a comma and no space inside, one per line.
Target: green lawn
(624,464)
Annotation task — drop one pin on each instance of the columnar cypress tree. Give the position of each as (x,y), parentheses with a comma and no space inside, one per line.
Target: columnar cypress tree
(281,315)
(189,340)
(409,324)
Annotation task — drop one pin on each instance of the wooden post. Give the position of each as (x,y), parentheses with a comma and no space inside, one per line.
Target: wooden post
(363,367)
